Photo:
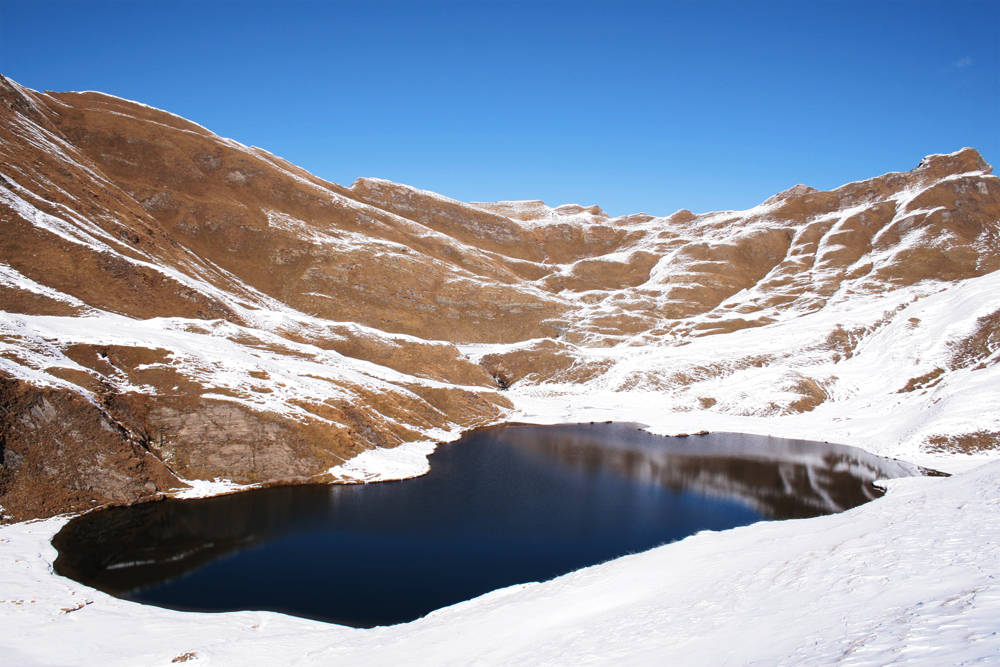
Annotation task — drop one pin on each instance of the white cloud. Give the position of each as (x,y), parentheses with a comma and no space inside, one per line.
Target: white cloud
(964,62)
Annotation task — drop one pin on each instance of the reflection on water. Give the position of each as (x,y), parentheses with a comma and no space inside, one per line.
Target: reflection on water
(499,507)
(780,478)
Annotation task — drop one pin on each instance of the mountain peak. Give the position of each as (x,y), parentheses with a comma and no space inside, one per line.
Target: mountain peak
(964,161)
(794,191)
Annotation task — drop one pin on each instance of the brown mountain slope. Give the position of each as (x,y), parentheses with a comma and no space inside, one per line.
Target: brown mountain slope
(227,314)
(77,244)
(405,261)
(296,238)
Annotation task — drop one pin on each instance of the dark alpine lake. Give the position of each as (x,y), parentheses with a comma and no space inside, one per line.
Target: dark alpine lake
(499,507)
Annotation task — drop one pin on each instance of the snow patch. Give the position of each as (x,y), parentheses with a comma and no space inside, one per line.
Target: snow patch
(202,488)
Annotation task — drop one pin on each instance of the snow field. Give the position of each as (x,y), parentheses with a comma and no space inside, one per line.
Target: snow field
(908,579)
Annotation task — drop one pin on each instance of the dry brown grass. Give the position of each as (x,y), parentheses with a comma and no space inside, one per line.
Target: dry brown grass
(968,443)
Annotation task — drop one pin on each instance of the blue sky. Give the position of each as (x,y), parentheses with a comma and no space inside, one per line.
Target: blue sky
(634,106)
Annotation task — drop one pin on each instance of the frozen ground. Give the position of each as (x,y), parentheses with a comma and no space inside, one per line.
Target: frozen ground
(908,579)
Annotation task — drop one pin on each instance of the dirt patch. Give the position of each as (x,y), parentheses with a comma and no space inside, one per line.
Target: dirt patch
(968,443)
(925,381)
(978,348)
(813,394)
(541,361)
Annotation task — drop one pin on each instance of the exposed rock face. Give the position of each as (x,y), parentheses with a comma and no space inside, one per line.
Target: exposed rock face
(60,452)
(227,314)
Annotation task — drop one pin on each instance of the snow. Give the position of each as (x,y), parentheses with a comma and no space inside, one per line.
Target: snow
(295,371)
(80,231)
(530,214)
(203,488)
(381,465)
(907,579)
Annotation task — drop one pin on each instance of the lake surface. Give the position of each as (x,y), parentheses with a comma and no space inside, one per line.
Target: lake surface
(499,507)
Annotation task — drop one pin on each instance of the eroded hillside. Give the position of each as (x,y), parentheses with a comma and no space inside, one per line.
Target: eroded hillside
(179,306)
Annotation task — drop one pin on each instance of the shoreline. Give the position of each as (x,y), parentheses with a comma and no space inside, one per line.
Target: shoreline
(48,616)
(110,631)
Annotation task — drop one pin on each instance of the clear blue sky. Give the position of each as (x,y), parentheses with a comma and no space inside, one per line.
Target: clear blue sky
(635,106)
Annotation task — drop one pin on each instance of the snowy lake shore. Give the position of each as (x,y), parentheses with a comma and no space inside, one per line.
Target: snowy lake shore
(910,578)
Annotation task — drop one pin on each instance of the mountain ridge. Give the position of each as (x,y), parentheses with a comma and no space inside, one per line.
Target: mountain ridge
(225,314)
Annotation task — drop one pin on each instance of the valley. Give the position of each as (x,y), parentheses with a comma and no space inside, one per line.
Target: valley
(182,315)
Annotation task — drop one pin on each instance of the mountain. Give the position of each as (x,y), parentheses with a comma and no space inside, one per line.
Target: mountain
(177,307)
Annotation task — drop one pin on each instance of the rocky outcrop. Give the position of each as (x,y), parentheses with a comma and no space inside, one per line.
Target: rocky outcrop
(60,452)
(541,361)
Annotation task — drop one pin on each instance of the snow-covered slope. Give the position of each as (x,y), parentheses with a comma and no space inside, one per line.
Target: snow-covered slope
(182,313)
(922,383)
(908,579)
(223,314)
